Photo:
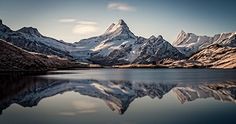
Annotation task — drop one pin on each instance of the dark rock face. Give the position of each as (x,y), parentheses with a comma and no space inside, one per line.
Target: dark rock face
(4,29)
(155,50)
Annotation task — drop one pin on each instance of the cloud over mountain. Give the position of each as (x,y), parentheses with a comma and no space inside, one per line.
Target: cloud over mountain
(120,6)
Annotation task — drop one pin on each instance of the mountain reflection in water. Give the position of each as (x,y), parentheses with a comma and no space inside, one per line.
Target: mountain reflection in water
(28,91)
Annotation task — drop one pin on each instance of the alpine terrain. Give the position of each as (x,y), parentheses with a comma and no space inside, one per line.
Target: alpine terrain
(119,46)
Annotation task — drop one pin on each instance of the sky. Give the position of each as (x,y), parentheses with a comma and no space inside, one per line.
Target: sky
(73,20)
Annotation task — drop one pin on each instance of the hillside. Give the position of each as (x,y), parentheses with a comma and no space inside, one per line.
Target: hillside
(13,58)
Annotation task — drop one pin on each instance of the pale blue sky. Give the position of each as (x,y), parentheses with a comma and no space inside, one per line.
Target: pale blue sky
(72,20)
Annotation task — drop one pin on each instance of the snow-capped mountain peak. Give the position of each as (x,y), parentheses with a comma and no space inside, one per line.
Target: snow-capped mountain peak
(118,45)
(120,25)
(120,28)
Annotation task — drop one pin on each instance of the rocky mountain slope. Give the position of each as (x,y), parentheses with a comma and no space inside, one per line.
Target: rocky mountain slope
(189,43)
(216,56)
(30,39)
(13,58)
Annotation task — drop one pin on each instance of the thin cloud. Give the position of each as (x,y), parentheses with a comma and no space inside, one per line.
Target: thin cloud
(120,6)
(85,27)
(81,27)
(86,22)
(67,20)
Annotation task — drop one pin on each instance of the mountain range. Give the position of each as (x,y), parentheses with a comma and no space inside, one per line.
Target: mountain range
(189,43)
(119,46)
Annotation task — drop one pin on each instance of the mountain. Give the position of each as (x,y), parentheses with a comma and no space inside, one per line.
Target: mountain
(30,39)
(189,43)
(213,56)
(13,58)
(216,56)
(118,45)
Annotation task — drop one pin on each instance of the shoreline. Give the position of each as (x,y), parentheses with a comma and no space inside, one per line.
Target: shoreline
(130,66)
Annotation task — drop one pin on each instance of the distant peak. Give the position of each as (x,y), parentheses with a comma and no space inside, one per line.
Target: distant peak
(183,34)
(152,37)
(30,30)
(160,37)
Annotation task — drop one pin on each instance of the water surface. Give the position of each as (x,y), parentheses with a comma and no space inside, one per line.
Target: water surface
(120,96)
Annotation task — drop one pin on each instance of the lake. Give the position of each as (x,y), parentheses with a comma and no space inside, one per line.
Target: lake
(119,96)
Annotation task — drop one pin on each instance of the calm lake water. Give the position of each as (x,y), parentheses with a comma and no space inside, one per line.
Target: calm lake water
(120,96)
